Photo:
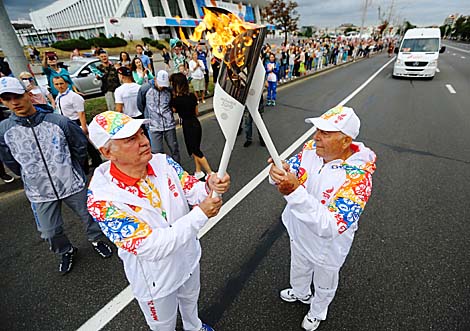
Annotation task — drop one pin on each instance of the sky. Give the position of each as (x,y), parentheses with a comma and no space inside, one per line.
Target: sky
(327,13)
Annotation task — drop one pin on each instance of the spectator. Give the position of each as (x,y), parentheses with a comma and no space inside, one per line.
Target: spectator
(153,101)
(75,55)
(196,71)
(272,72)
(51,69)
(31,54)
(215,64)
(155,232)
(48,151)
(166,58)
(185,105)
(140,74)
(202,55)
(126,94)
(144,58)
(39,95)
(3,175)
(149,53)
(177,56)
(72,106)
(326,186)
(109,78)
(124,60)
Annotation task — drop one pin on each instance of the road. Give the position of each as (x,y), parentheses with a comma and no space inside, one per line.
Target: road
(409,265)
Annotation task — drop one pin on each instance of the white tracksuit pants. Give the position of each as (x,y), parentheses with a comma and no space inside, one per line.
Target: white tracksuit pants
(160,314)
(325,283)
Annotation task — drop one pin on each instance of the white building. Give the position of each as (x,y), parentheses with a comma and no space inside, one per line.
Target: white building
(68,19)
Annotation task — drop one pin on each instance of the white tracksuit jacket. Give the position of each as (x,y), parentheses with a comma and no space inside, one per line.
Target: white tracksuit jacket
(151,224)
(321,215)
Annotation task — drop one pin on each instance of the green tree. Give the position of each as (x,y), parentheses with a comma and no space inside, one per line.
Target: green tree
(283,15)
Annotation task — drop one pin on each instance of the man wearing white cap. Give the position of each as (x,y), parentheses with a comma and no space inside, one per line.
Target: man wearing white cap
(326,187)
(141,202)
(48,150)
(153,101)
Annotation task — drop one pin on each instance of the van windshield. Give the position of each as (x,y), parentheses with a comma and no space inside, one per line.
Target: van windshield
(420,45)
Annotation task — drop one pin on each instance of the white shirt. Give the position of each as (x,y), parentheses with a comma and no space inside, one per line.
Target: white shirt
(70,104)
(127,95)
(196,73)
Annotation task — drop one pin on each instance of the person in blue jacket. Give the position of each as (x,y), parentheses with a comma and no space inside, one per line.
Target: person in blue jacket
(272,73)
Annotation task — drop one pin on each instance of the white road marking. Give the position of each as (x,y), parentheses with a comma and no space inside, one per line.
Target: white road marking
(108,312)
(437,70)
(454,54)
(451,89)
(462,57)
(459,49)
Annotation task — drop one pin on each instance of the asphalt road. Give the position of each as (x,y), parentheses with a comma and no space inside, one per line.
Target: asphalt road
(409,265)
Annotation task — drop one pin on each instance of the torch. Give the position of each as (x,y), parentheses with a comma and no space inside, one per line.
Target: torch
(241,76)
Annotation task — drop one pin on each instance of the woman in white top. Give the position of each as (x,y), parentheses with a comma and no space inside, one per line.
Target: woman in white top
(196,71)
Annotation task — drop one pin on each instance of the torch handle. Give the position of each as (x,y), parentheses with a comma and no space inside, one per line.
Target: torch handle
(228,147)
(266,137)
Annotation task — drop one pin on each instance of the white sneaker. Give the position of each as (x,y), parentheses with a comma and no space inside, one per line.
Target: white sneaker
(310,324)
(199,175)
(289,296)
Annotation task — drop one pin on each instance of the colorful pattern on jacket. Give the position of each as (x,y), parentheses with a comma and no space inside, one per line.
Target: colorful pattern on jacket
(124,229)
(350,200)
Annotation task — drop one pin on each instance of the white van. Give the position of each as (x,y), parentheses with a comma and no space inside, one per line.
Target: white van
(418,53)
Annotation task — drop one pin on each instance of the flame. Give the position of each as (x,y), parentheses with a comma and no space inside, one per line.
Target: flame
(222,32)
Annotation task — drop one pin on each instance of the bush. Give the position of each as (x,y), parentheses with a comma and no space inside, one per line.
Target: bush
(102,35)
(147,40)
(71,44)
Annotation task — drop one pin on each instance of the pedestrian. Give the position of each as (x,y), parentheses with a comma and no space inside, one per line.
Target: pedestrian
(249,125)
(177,55)
(196,71)
(184,104)
(75,55)
(202,55)
(166,58)
(72,105)
(126,94)
(391,48)
(326,186)
(48,150)
(51,69)
(39,95)
(109,78)
(144,58)
(152,210)
(215,64)
(124,60)
(153,101)
(272,72)
(140,74)
(149,54)
(31,53)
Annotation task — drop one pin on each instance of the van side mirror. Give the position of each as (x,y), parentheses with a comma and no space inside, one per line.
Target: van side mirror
(442,50)
(395,50)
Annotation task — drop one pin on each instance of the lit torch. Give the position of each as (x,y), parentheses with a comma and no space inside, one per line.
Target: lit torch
(241,76)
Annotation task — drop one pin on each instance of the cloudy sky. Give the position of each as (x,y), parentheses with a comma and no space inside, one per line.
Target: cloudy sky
(328,13)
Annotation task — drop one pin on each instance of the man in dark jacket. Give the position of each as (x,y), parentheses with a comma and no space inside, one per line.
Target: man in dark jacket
(48,150)
(109,79)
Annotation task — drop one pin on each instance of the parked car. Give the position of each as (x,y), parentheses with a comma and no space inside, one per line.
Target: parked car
(81,72)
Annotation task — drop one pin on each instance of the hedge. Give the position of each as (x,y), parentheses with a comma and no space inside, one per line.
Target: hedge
(71,44)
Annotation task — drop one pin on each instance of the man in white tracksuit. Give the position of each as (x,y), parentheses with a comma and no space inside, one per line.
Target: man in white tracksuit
(326,186)
(141,202)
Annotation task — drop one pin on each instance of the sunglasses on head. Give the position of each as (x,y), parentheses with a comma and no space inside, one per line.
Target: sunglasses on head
(27,78)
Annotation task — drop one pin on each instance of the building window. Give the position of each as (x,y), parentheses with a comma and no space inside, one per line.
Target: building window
(135,9)
(157,8)
(174,9)
(190,8)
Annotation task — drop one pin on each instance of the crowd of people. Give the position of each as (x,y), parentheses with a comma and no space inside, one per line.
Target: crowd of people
(146,204)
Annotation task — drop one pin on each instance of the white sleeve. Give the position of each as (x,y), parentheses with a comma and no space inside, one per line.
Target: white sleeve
(118,96)
(79,103)
(203,67)
(191,66)
(308,209)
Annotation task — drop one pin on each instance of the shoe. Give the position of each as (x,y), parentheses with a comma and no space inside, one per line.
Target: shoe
(199,175)
(247,143)
(310,324)
(102,248)
(206,327)
(66,261)
(289,296)
(273,103)
(7,178)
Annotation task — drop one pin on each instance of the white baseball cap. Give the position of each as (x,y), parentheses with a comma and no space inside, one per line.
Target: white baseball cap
(339,118)
(112,125)
(162,79)
(11,85)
